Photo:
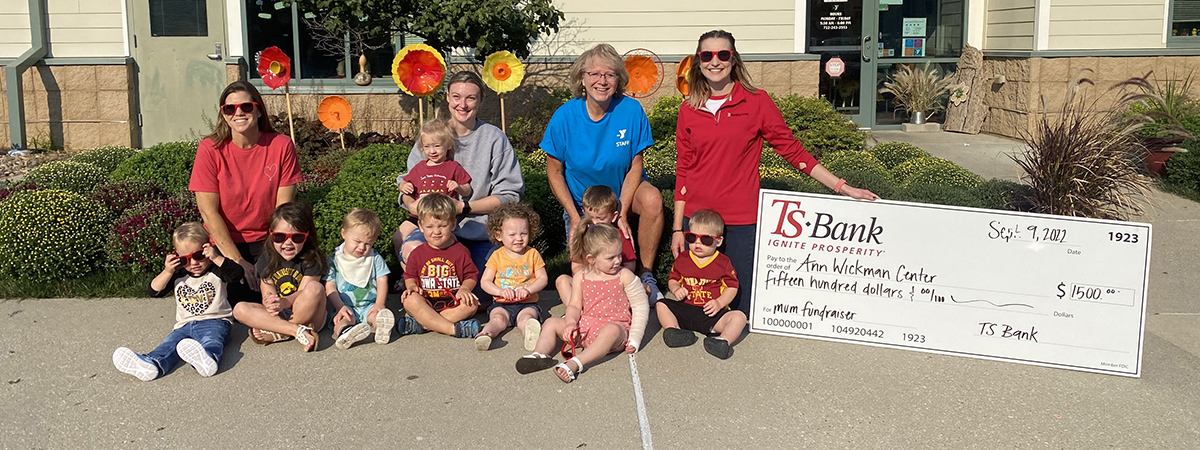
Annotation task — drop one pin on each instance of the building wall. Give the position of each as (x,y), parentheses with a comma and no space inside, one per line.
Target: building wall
(1106,24)
(86,28)
(76,106)
(1010,25)
(671,28)
(14,28)
(1039,85)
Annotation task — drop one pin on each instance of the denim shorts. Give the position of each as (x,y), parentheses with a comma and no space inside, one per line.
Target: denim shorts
(515,308)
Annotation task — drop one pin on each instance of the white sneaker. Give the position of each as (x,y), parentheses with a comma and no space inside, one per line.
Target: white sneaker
(193,353)
(533,328)
(483,342)
(132,363)
(353,336)
(652,284)
(384,322)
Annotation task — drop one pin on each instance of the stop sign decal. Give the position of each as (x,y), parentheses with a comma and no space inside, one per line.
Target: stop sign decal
(835,67)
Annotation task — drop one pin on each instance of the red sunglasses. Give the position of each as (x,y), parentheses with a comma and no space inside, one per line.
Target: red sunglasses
(568,348)
(198,256)
(248,107)
(442,305)
(280,238)
(723,55)
(705,239)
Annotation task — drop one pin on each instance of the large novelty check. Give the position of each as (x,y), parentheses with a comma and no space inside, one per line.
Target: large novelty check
(1047,290)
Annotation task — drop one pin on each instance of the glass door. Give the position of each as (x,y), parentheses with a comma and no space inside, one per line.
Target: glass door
(913,32)
(845,30)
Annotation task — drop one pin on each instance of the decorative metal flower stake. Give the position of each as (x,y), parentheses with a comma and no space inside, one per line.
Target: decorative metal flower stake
(418,69)
(503,72)
(275,68)
(335,113)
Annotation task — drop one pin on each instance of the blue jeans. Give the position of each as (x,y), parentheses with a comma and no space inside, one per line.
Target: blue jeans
(481,251)
(739,247)
(210,333)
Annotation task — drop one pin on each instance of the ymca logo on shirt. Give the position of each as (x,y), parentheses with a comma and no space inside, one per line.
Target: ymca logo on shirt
(621,135)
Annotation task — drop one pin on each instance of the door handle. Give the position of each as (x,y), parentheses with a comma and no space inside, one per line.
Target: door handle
(216,54)
(866,40)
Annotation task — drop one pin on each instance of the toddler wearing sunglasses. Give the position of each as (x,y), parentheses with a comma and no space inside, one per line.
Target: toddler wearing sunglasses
(705,283)
(606,312)
(290,271)
(438,173)
(439,276)
(356,284)
(200,277)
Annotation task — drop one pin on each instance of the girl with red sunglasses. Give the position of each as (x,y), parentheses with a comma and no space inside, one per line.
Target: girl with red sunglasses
(290,272)
(722,125)
(243,170)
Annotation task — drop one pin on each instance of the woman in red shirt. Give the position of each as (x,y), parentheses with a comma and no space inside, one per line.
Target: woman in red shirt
(719,136)
(243,170)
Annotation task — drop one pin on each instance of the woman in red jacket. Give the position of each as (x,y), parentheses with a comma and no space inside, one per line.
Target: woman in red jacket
(719,136)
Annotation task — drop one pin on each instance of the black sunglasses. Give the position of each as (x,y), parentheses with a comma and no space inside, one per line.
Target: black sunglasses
(297,238)
(705,239)
(197,256)
(723,55)
(248,107)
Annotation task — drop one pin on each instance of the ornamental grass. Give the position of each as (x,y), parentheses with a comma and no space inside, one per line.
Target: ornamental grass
(1087,162)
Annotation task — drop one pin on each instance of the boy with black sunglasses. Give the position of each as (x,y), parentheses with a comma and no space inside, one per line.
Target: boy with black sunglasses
(200,277)
(705,283)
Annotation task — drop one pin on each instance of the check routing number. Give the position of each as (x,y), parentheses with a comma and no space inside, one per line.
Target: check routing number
(1055,291)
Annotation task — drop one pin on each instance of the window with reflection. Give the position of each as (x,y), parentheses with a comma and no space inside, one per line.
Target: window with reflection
(316,53)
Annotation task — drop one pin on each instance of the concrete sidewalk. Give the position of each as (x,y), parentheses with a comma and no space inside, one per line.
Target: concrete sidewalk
(427,391)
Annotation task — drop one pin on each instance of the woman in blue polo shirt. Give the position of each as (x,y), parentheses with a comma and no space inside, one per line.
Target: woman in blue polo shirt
(597,138)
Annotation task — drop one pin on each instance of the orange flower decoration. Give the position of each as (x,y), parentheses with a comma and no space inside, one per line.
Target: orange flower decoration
(681,75)
(502,71)
(418,69)
(643,73)
(334,112)
(274,67)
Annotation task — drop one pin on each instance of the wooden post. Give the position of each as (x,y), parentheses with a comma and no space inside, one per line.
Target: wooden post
(503,123)
(287,96)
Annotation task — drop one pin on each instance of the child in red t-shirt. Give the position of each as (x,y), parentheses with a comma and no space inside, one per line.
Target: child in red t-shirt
(705,283)
(440,276)
(438,173)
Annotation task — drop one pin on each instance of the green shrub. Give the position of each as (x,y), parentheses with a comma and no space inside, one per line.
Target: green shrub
(1183,169)
(856,161)
(891,154)
(532,162)
(367,180)
(660,163)
(944,174)
(664,116)
(141,237)
(106,158)
(77,177)
(939,194)
(818,126)
(869,179)
(120,196)
(525,132)
(553,238)
(1003,194)
(168,164)
(902,172)
(50,234)
(325,169)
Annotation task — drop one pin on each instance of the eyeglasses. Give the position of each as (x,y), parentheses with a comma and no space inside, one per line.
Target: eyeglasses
(568,348)
(197,256)
(723,55)
(609,75)
(297,238)
(230,108)
(705,239)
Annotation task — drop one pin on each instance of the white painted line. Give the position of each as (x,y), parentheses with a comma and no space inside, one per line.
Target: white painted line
(643,421)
